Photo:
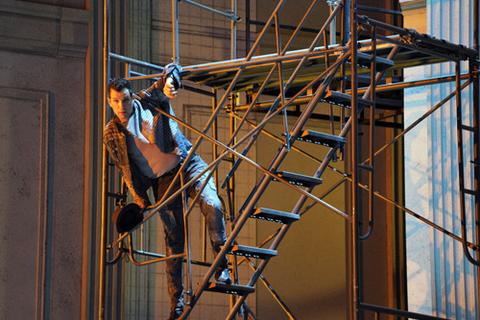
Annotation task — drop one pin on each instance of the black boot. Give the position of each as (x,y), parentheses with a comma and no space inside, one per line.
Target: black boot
(222,275)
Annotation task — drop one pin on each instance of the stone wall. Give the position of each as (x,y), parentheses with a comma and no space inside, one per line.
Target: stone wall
(42,106)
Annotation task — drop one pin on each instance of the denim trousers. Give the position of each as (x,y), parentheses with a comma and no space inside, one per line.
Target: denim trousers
(211,208)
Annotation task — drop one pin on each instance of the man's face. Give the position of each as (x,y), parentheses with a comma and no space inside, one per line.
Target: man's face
(121,103)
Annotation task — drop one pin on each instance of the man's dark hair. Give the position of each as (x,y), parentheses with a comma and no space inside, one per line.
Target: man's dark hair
(118,84)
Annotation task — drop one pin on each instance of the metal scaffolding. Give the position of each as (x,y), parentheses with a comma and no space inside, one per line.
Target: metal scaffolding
(326,72)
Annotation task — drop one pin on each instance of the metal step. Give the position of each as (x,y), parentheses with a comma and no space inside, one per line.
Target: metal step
(343,99)
(236,289)
(275,215)
(252,252)
(365,60)
(324,139)
(299,179)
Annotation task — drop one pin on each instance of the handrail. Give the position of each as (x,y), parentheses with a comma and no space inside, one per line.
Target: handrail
(371,167)
(147,262)
(461,173)
(117,257)
(370,95)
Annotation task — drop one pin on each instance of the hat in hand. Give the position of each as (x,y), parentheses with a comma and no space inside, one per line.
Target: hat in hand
(126,218)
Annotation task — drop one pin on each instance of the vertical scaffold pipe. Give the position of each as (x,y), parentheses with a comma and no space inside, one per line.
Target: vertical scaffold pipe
(231,191)
(476,125)
(333,4)
(354,163)
(103,225)
(175,56)
(233,34)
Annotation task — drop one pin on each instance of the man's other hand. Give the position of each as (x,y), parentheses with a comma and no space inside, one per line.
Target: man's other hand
(142,204)
(169,88)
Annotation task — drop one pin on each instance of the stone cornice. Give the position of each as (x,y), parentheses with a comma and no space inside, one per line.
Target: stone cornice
(43,29)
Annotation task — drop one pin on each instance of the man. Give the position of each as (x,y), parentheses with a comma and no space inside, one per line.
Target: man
(148,149)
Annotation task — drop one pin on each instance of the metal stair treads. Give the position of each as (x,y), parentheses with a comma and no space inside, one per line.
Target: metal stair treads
(324,139)
(299,179)
(365,60)
(275,215)
(252,252)
(230,288)
(343,99)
